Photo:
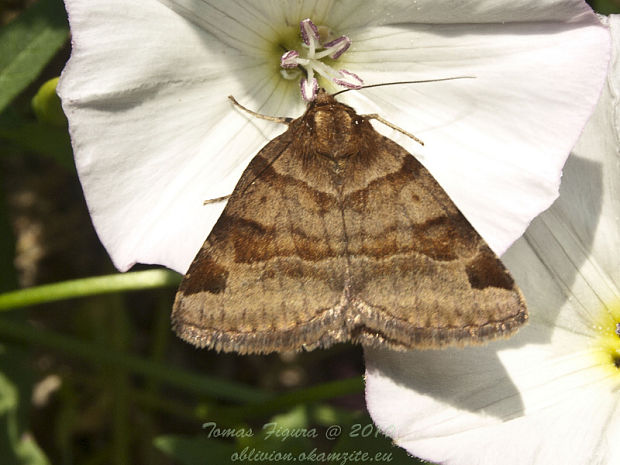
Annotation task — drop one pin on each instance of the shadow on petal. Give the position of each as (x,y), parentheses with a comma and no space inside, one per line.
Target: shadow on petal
(470,379)
(546,262)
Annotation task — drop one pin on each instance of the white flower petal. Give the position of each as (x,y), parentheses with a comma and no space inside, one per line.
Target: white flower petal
(239,24)
(540,397)
(459,407)
(497,142)
(354,13)
(613,433)
(603,184)
(575,237)
(348,14)
(155,135)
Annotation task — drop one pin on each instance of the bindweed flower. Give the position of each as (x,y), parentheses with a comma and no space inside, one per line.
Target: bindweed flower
(551,394)
(154,135)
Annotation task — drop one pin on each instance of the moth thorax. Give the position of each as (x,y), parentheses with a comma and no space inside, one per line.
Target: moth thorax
(334,131)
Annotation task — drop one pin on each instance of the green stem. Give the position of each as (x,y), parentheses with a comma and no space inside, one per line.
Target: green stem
(97,354)
(88,286)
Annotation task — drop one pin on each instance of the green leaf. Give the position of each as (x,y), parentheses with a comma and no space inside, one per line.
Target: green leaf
(27,44)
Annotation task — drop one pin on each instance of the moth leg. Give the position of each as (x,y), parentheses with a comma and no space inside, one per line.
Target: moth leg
(393,126)
(275,119)
(217,199)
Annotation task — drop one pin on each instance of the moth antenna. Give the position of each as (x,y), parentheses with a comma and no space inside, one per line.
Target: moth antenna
(275,119)
(393,126)
(405,82)
(217,199)
(386,122)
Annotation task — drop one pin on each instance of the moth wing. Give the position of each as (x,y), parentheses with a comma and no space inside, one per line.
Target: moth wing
(311,251)
(422,277)
(270,276)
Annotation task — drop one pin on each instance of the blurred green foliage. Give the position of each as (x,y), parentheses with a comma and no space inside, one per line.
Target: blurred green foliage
(27,44)
(605,7)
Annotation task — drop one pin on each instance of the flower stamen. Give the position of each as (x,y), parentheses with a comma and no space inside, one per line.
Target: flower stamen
(292,61)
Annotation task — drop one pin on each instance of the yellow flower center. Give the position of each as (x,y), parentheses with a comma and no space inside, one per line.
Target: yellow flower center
(606,346)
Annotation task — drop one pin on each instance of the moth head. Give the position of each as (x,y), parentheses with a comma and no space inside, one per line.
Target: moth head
(336,128)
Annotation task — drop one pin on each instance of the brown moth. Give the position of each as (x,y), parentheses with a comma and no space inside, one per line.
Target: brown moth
(336,233)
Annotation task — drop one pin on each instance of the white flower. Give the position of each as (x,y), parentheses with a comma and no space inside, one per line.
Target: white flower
(551,394)
(154,134)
